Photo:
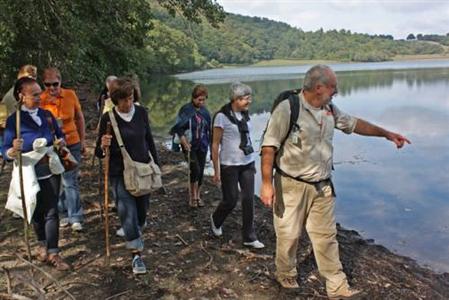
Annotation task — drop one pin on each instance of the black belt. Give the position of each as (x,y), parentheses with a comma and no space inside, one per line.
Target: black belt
(316,184)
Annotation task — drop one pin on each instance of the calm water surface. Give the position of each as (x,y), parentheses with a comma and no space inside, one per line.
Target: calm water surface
(400,198)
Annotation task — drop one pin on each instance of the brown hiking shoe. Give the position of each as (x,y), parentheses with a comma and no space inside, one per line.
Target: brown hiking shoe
(200,202)
(56,261)
(287,282)
(41,253)
(345,294)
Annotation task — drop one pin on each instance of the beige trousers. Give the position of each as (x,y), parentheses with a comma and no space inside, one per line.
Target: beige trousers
(300,204)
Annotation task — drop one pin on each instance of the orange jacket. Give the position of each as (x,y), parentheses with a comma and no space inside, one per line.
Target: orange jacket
(63,109)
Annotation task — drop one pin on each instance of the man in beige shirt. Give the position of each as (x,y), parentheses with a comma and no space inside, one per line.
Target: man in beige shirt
(302,195)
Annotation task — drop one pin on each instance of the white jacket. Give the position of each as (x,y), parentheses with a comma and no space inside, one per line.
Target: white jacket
(30,181)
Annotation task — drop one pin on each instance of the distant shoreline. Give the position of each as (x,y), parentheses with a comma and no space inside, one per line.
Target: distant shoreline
(299,62)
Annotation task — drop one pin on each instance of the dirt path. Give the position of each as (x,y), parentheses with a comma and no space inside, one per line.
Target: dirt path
(186,262)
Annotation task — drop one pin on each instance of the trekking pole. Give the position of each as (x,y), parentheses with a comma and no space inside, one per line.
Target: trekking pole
(106,195)
(189,140)
(190,176)
(97,128)
(22,189)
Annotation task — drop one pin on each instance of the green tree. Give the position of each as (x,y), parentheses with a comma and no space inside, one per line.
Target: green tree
(85,39)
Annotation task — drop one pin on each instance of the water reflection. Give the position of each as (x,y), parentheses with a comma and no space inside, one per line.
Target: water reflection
(164,96)
(398,197)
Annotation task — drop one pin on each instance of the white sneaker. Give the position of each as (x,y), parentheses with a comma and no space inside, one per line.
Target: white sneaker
(120,232)
(77,226)
(215,230)
(64,222)
(255,244)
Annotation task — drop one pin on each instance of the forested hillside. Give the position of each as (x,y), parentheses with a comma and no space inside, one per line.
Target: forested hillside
(241,39)
(88,40)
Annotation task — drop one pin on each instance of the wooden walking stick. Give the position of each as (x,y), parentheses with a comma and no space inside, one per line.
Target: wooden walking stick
(22,189)
(191,202)
(106,195)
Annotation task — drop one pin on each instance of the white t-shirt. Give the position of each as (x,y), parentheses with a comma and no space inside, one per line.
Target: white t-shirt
(230,153)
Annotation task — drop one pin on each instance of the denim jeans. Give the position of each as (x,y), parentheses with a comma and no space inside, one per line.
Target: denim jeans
(231,178)
(69,204)
(45,216)
(132,212)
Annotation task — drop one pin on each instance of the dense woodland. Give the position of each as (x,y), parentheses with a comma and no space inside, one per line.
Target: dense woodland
(89,39)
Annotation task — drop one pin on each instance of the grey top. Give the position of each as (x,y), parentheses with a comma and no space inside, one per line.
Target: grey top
(230,153)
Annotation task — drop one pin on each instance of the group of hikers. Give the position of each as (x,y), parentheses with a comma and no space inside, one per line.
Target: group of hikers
(296,163)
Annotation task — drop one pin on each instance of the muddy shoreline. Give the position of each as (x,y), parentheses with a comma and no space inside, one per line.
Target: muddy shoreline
(185,261)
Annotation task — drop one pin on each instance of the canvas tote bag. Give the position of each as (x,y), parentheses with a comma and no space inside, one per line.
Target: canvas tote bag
(140,178)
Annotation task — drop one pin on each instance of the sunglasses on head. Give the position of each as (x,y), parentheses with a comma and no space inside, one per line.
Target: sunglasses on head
(49,84)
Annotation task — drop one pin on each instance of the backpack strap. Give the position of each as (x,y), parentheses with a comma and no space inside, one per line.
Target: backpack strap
(292,96)
(293,100)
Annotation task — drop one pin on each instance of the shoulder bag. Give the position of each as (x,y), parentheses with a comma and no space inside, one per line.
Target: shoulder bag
(140,178)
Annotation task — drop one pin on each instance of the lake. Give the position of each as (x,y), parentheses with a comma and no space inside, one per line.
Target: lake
(399,198)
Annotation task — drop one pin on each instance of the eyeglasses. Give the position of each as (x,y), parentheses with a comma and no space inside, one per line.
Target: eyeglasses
(53,84)
(335,91)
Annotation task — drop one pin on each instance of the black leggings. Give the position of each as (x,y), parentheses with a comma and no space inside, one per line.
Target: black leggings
(197,163)
(231,178)
(45,217)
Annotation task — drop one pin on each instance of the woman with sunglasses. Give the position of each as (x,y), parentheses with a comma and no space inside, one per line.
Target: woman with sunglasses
(38,129)
(193,130)
(65,107)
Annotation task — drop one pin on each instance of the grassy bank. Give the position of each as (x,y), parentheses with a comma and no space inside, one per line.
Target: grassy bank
(300,62)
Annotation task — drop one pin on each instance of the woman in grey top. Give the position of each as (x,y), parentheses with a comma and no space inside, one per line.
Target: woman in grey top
(233,159)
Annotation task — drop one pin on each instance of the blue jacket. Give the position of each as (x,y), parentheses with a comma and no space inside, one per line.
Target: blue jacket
(200,132)
(29,130)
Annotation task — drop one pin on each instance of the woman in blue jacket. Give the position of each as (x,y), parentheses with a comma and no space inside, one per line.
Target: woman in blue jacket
(36,123)
(193,130)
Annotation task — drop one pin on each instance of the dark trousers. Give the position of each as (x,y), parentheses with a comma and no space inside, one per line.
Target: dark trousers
(231,178)
(197,163)
(45,217)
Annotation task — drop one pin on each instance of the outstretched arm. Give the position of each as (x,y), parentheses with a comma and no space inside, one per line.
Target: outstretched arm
(267,195)
(363,127)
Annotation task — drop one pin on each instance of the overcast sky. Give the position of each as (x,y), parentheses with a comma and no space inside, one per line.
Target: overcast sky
(395,17)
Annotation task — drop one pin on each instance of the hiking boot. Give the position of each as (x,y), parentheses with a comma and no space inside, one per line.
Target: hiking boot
(77,226)
(138,265)
(216,231)
(56,261)
(41,253)
(255,244)
(200,202)
(64,222)
(287,282)
(346,293)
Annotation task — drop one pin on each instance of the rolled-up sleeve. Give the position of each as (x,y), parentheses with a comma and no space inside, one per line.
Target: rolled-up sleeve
(344,121)
(278,125)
